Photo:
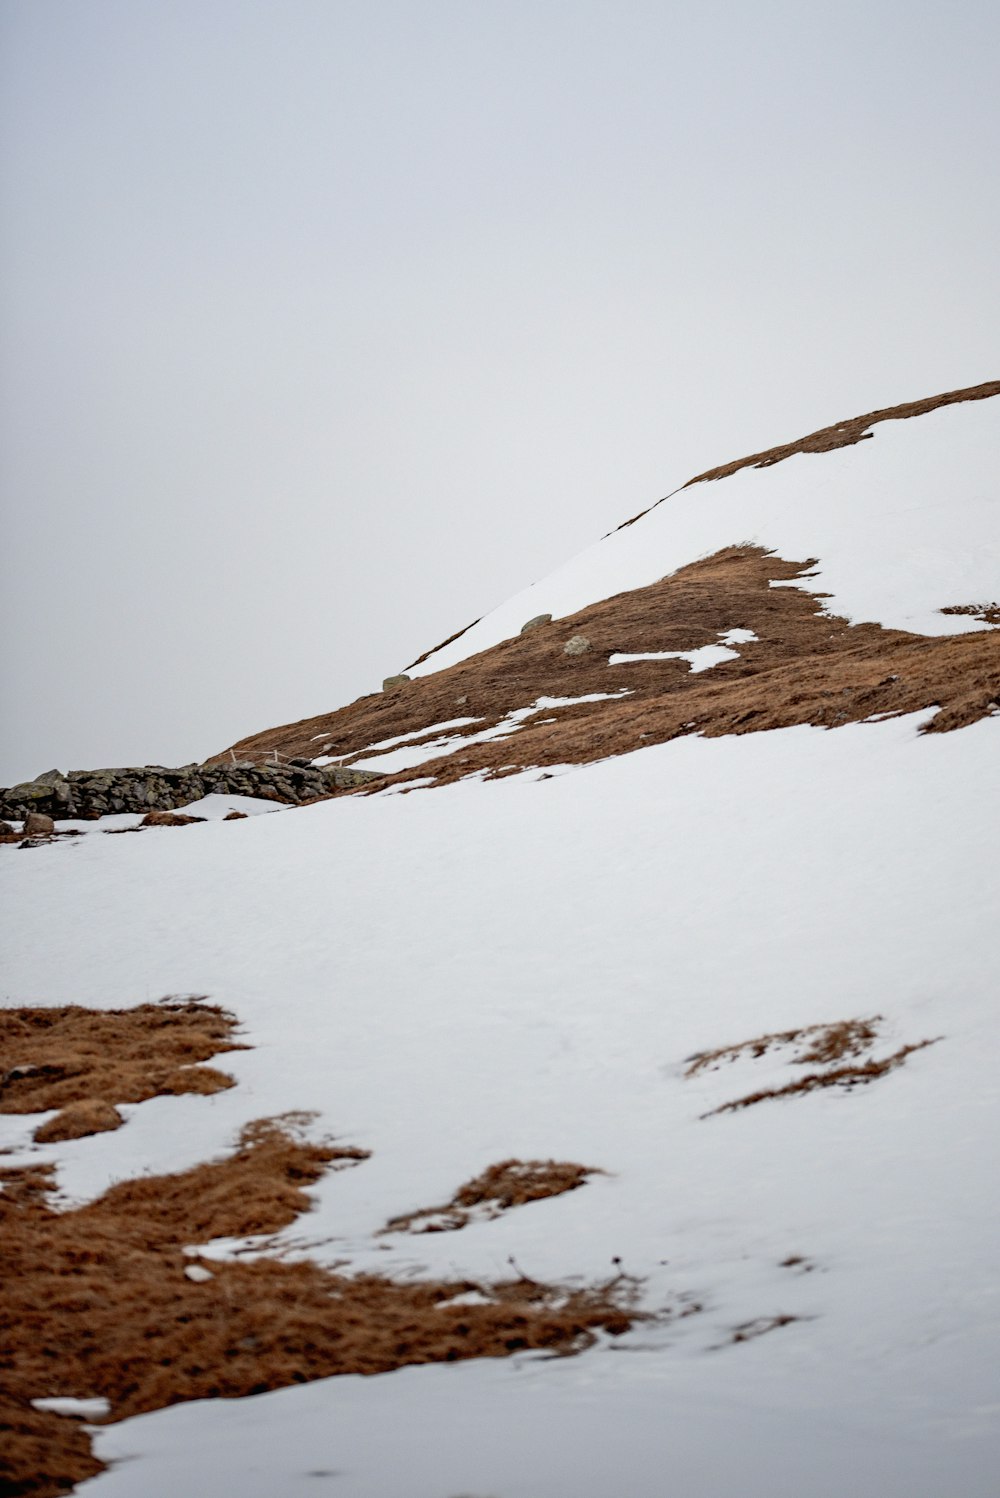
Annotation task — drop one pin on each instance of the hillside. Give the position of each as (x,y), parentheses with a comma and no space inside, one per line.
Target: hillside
(644,1011)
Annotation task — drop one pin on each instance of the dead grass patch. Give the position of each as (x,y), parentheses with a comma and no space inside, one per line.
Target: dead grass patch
(849,1076)
(511,1183)
(837,1048)
(822,1045)
(77,1120)
(68,1055)
(805,667)
(97,1303)
(989,613)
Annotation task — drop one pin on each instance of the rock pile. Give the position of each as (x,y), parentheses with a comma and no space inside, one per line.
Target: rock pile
(94,793)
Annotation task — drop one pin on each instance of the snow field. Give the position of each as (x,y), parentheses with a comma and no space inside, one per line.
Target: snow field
(521,969)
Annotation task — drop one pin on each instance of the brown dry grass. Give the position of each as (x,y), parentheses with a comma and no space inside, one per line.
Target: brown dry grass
(989,613)
(51,1058)
(97,1303)
(854,1075)
(511,1183)
(168,819)
(77,1120)
(806,667)
(836,1047)
(824,1044)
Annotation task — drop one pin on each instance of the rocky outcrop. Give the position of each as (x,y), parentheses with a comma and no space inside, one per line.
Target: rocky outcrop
(94,793)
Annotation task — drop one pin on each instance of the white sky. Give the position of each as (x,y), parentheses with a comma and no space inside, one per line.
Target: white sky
(328,326)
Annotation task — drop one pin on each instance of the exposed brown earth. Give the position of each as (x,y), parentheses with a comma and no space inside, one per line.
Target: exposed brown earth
(805,667)
(511,1183)
(83,1061)
(97,1303)
(838,1048)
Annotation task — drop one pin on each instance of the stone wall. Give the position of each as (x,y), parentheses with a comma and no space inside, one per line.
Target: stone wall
(93,793)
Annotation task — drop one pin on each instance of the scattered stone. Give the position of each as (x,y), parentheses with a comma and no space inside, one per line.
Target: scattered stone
(37,824)
(167,819)
(461,701)
(395,681)
(578,645)
(345,779)
(534,623)
(77,1120)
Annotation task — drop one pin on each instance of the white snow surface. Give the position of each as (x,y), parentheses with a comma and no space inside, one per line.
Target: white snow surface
(211,808)
(703,658)
(903,524)
(521,968)
(86,1409)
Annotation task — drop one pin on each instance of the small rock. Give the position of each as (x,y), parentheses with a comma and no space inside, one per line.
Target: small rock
(534,623)
(235,816)
(461,701)
(395,681)
(578,645)
(36,824)
(198,1273)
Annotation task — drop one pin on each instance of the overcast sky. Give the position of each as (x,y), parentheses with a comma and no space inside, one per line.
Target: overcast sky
(327,325)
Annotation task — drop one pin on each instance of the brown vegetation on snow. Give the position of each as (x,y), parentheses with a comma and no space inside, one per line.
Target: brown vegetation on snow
(841,1050)
(805,667)
(102,1300)
(83,1061)
(821,1045)
(511,1183)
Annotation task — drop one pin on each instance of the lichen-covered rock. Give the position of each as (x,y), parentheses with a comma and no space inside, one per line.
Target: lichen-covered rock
(534,623)
(395,681)
(343,778)
(578,645)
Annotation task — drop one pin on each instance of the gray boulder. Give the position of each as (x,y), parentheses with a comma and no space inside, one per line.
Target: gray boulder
(37,824)
(578,645)
(534,623)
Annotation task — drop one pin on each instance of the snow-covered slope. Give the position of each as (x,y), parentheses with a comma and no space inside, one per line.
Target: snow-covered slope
(565,964)
(900,524)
